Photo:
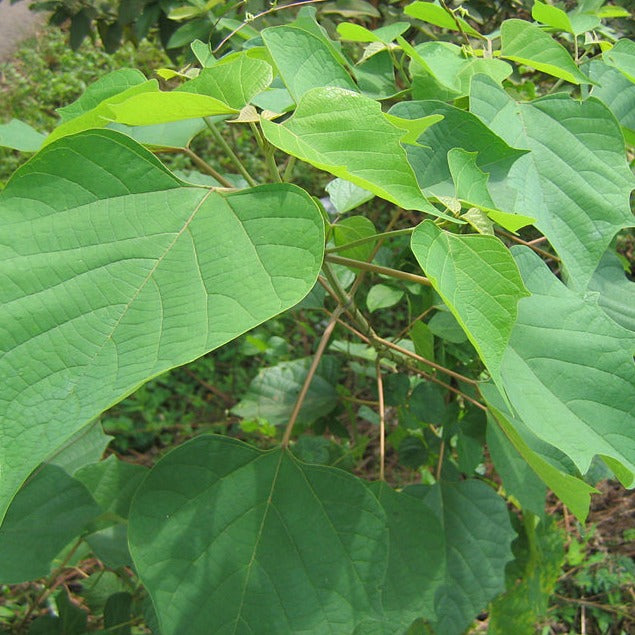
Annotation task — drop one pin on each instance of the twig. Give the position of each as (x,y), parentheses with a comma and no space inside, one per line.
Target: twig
(386,271)
(382,420)
(324,340)
(206,167)
(260,15)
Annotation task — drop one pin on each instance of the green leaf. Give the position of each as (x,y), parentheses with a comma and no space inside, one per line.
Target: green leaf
(117,614)
(376,76)
(616,291)
(104,88)
(46,514)
(351,229)
(525,43)
(176,134)
(85,447)
(347,135)
(441,70)
(617,93)
(622,56)
(458,129)
(575,180)
(572,491)
(385,34)
(234,83)
(306,59)
(551,16)
(152,108)
(478,536)
(382,296)
(568,359)
(112,483)
(423,339)
(18,135)
(346,196)
(518,478)
(262,531)
(273,392)
(443,324)
(478,280)
(470,183)
(110,545)
(434,14)
(416,557)
(85,117)
(114,273)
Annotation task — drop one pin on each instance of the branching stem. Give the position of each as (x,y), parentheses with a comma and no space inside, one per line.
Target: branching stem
(369,266)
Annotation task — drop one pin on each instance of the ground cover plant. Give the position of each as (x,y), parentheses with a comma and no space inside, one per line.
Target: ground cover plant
(455,287)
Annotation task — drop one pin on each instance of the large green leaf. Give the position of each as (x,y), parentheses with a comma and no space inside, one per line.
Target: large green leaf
(616,291)
(234,83)
(48,512)
(568,359)
(478,279)
(416,557)
(305,57)
(478,535)
(575,181)
(273,392)
(347,135)
(257,542)
(114,271)
(542,458)
(526,43)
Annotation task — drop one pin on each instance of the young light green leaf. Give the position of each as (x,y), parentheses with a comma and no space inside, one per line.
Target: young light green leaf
(234,83)
(152,108)
(437,15)
(575,180)
(273,392)
(306,58)
(567,358)
(478,280)
(261,529)
(347,135)
(551,16)
(18,135)
(385,34)
(572,491)
(525,43)
(104,88)
(100,114)
(115,271)
(478,536)
(47,513)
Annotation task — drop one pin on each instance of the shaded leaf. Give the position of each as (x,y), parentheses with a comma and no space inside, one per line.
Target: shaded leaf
(261,530)
(18,135)
(351,229)
(622,56)
(85,447)
(273,392)
(346,196)
(46,514)
(383,296)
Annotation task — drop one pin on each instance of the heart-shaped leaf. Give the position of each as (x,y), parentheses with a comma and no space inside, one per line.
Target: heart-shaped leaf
(114,271)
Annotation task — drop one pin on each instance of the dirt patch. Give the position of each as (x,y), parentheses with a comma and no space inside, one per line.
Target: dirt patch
(17,23)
